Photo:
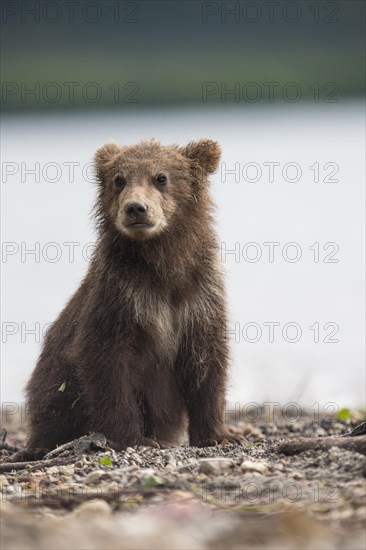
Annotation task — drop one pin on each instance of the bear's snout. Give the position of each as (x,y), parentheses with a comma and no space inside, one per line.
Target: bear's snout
(136,212)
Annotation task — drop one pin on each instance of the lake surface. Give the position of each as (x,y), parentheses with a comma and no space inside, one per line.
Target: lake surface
(290,196)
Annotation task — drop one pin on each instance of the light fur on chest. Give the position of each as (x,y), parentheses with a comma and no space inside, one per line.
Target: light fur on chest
(168,324)
(155,314)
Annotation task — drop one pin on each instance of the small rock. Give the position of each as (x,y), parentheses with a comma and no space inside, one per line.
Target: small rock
(96,476)
(298,475)
(250,466)
(136,458)
(333,454)
(50,479)
(214,466)
(295,427)
(81,463)
(93,509)
(3,482)
(53,470)
(66,470)
(145,473)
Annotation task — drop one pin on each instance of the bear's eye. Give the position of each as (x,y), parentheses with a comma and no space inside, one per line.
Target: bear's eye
(119,182)
(161,179)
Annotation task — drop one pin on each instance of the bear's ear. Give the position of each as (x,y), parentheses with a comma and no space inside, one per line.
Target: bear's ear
(103,156)
(206,153)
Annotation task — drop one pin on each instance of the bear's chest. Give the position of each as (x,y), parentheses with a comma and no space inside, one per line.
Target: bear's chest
(164,322)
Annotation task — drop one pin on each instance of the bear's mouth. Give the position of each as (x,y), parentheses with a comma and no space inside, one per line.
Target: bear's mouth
(139,225)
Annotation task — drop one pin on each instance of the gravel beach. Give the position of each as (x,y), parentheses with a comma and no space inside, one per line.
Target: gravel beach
(251,496)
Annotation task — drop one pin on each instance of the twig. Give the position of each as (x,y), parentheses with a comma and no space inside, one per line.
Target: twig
(301,444)
(4,446)
(359,430)
(36,465)
(81,445)
(3,434)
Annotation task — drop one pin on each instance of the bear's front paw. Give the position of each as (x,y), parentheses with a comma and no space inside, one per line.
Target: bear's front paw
(147,442)
(157,443)
(224,436)
(138,441)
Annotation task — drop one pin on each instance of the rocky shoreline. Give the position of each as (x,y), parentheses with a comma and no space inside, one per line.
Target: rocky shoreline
(252,496)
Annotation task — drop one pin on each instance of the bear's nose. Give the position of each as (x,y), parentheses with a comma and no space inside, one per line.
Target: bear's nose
(136,210)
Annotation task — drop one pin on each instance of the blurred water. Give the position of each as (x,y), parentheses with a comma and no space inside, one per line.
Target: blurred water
(305,212)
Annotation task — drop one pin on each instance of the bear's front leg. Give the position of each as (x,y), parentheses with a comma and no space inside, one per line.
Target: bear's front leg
(202,368)
(112,402)
(206,409)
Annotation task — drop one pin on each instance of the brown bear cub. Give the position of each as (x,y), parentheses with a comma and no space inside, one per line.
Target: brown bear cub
(141,346)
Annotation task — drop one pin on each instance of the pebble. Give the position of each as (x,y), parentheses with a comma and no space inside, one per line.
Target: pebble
(93,509)
(96,476)
(53,470)
(136,458)
(251,466)
(214,466)
(50,479)
(3,482)
(145,473)
(333,454)
(66,470)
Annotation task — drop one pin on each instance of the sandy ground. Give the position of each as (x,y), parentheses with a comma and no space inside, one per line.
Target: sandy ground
(227,497)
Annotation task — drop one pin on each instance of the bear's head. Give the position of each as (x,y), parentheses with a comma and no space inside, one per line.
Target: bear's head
(145,188)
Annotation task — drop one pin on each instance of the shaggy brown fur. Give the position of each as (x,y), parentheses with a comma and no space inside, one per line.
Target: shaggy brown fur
(141,345)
